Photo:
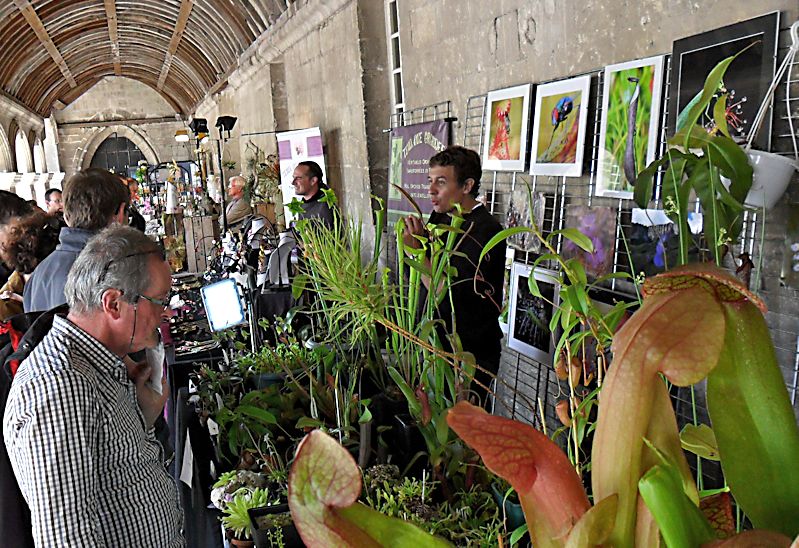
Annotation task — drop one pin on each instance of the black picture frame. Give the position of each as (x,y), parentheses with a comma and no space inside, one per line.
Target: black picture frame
(528,323)
(748,76)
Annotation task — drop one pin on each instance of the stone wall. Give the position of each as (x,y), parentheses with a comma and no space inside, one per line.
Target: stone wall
(125,107)
(500,44)
(312,73)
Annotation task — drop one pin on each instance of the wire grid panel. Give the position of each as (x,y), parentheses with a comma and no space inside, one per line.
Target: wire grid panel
(427,113)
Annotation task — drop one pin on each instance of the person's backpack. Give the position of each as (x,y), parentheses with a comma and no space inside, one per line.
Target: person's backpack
(18,337)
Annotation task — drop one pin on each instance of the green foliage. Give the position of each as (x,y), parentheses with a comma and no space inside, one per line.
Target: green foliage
(694,163)
(235,517)
(582,325)
(246,424)
(471,519)
(282,357)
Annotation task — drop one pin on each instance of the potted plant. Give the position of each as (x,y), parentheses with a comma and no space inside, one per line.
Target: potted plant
(236,517)
(272,527)
(773,172)
(696,322)
(696,161)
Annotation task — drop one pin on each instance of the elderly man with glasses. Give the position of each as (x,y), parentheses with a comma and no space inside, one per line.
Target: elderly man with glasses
(78,430)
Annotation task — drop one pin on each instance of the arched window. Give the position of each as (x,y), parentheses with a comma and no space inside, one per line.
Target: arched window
(39,164)
(22,153)
(117,154)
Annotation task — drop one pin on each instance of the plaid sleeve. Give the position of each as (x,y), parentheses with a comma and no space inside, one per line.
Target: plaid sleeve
(54,423)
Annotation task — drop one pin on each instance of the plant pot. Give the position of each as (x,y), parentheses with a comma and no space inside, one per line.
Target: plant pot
(291,538)
(408,443)
(772,173)
(513,510)
(242,543)
(264,380)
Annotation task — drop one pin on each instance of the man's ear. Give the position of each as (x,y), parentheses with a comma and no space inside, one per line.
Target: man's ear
(120,215)
(111,301)
(468,185)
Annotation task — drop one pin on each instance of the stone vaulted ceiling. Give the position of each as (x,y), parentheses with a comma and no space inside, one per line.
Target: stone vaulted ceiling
(54,50)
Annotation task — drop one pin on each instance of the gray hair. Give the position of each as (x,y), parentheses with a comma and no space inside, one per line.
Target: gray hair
(116,258)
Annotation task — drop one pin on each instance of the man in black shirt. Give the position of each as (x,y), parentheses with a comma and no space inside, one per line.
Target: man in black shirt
(308,184)
(454,179)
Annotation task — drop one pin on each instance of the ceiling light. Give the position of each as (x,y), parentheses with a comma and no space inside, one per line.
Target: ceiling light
(182,136)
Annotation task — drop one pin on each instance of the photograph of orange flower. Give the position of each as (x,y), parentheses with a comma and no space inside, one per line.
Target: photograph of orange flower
(505,129)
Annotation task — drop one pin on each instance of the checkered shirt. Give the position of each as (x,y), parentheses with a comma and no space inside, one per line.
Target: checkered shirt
(90,469)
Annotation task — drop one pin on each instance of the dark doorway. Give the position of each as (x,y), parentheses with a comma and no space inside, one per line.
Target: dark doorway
(117,154)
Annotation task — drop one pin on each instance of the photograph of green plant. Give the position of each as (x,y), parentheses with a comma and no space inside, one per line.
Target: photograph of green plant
(629,130)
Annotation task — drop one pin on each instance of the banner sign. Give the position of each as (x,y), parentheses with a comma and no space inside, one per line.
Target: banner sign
(411,148)
(294,147)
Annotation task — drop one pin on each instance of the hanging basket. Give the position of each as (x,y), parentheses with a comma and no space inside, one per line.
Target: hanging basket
(773,172)
(770,179)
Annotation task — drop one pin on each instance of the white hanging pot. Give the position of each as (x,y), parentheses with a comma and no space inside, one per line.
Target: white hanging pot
(770,179)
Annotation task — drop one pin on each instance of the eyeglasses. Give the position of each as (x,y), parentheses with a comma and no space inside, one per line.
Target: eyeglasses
(164,303)
(104,273)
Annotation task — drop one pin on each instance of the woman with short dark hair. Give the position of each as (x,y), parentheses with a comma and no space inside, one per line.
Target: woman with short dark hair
(24,243)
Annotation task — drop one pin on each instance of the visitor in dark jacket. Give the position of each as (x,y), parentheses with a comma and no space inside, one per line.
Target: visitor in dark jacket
(93,200)
(24,243)
(11,207)
(308,184)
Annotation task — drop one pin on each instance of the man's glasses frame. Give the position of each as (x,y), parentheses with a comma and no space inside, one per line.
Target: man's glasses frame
(164,303)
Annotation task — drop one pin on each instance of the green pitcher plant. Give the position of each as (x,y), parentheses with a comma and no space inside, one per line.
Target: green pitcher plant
(324,487)
(696,322)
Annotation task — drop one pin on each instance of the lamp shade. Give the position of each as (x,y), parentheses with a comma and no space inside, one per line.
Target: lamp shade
(199,125)
(182,135)
(226,122)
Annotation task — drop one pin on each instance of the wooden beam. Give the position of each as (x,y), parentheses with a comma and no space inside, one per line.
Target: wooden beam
(41,33)
(111,15)
(180,26)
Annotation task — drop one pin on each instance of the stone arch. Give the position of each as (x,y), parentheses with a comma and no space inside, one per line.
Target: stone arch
(86,153)
(22,152)
(6,160)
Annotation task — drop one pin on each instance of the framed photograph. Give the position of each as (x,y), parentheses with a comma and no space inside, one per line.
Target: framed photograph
(504,314)
(528,323)
(505,129)
(628,134)
(654,243)
(522,213)
(561,111)
(599,224)
(745,82)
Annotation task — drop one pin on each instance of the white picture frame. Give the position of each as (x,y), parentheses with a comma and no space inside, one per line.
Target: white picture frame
(528,320)
(612,180)
(509,153)
(565,160)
